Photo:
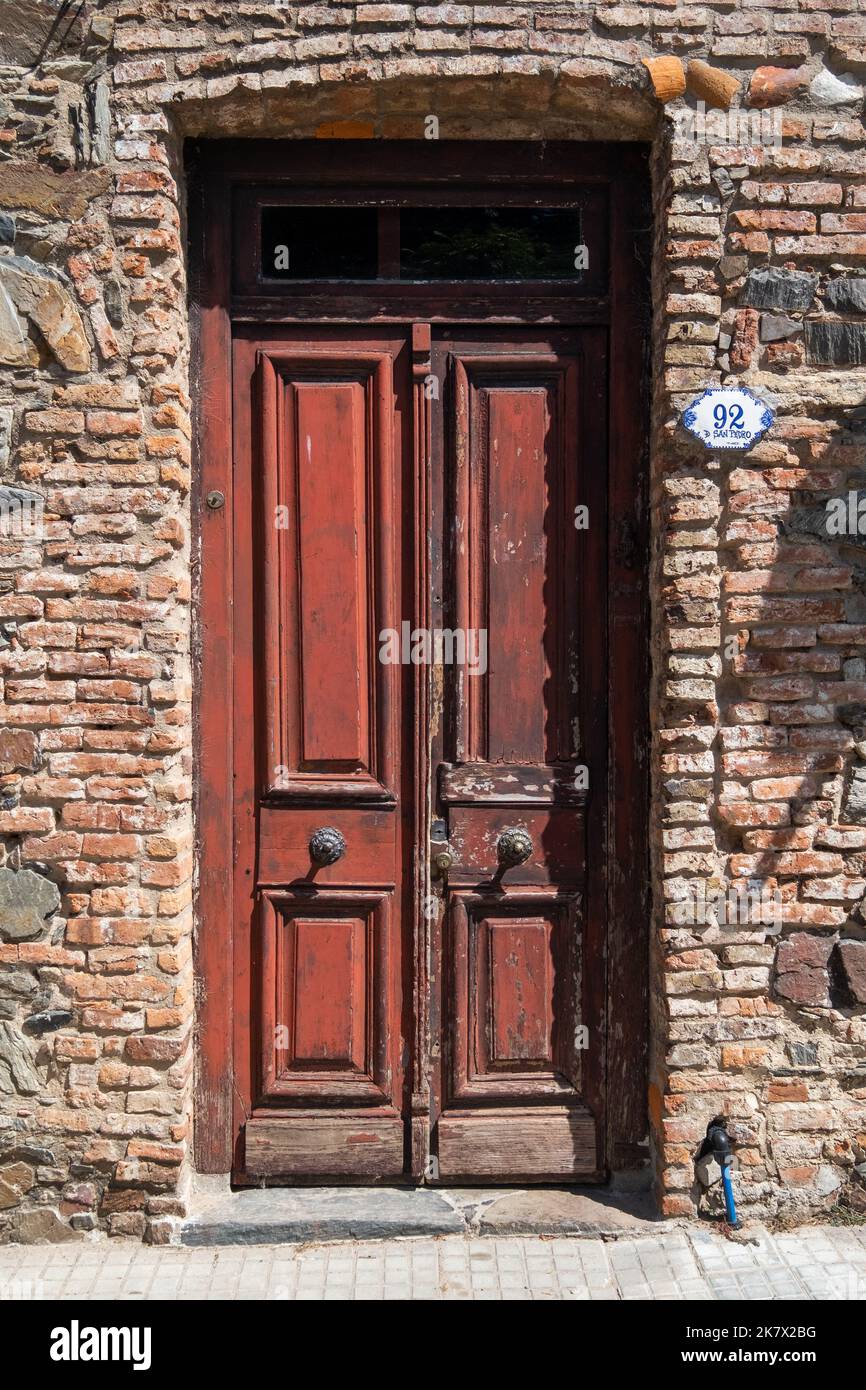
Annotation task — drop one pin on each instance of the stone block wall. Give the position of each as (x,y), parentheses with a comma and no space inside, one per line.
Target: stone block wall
(759,610)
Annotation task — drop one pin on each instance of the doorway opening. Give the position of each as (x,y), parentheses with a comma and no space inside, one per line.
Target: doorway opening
(422,799)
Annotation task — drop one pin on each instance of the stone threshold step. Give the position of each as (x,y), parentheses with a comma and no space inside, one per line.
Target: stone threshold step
(272,1216)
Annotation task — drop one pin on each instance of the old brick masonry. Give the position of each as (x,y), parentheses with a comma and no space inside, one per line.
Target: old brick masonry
(759,615)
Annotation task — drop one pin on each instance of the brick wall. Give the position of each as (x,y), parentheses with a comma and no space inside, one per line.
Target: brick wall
(759,626)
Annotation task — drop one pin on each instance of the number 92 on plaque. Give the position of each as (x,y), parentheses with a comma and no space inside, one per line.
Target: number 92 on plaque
(728,417)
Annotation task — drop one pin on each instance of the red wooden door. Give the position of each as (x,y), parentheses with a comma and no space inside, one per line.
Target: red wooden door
(321,906)
(364,754)
(422,910)
(519,756)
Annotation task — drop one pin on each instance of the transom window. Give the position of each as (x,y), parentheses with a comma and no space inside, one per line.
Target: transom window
(419,243)
(338,245)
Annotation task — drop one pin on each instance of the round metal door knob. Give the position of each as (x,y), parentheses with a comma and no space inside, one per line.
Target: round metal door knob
(327,845)
(514,846)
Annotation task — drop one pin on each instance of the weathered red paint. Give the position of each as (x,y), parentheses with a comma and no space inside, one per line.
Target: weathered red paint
(521,952)
(318,744)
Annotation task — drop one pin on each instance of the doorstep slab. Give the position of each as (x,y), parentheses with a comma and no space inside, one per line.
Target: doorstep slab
(560,1212)
(274,1216)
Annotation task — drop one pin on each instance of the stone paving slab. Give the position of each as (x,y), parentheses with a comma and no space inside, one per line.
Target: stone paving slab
(817,1263)
(558,1212)
(259,1216)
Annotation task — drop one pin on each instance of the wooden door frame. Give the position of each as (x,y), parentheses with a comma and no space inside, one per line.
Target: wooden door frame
(215,170)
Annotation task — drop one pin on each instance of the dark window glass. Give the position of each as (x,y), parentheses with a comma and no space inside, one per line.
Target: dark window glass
(490,243)
(304,243)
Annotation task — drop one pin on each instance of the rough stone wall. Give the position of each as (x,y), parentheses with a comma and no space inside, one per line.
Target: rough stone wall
(759,626)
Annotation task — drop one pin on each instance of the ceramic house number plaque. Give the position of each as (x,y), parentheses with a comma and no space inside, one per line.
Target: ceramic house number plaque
(728,417)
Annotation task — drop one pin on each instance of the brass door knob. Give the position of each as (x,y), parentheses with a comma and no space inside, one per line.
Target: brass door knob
(327,845)
(514,846)
(443,861)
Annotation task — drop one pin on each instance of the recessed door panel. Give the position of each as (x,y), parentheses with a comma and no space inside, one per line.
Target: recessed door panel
(324,969)
(327,437)
(514,422)
(515,989)
(325,992)
(330,567)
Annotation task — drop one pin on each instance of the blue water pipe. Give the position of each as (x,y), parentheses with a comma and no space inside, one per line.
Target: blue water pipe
(718,1142)
(728,1188)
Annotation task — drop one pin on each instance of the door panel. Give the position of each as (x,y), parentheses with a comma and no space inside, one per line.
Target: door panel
(513,426)
(335,778)
(349,1145)
(556,834)
(331,568)
(324,984)
(323,728)
(535,1145)
(514,966)
(521,959)
(370,834)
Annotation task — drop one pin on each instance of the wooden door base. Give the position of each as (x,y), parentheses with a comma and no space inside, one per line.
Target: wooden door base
(554,1145)
(316,1143)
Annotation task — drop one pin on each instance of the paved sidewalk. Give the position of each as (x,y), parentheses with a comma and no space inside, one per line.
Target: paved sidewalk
(681,1263)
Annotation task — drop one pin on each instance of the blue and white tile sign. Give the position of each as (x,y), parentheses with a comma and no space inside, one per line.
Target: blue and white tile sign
(728,417)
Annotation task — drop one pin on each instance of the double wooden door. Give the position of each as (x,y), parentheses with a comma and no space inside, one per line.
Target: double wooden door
(420,719)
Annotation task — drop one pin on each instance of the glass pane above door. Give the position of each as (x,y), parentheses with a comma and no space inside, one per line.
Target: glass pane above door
(309,243)
(470,243)
(425,243)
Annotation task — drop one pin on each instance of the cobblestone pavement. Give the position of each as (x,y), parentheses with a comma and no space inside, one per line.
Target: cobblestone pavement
(814,1263)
